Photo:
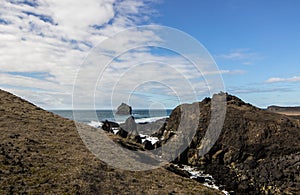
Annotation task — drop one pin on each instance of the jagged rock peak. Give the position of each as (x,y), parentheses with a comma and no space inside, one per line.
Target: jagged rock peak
(230,99)
(234,100)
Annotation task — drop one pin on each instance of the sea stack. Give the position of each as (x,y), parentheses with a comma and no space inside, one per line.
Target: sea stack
(124,109)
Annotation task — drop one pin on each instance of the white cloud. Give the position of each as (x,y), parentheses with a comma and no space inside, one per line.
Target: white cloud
(278,80)
(224,72)
(177,79)
(54,37)
(245,56)
(78,15)
(43,46)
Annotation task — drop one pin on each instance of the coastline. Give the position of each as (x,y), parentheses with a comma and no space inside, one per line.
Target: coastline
(42,152)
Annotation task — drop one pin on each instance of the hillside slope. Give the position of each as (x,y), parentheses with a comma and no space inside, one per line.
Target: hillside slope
(41,152)
(257,151)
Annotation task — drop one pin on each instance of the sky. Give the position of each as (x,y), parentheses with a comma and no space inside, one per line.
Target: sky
(51,51)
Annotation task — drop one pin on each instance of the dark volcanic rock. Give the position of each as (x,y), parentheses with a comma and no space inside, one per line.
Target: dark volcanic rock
(124,109)
(148,145)
(257,151)
(130,126)
(178,171)
(109,125)
(122,133)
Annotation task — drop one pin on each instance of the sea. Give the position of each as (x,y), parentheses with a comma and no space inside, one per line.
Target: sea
(95,117)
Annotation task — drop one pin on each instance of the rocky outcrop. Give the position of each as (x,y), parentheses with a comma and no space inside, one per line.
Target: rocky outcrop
(293,112)
(283,109)
(139,133)
(257,151)
(124,109)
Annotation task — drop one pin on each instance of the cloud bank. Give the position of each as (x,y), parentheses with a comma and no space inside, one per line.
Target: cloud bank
(43,44)
(244,56)
(51,38)
(283,80)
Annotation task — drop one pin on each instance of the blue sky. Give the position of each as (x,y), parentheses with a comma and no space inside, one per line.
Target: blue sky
(261,38)
(255,44)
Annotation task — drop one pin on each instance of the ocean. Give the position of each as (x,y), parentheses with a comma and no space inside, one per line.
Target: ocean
(88,116)
(95,118)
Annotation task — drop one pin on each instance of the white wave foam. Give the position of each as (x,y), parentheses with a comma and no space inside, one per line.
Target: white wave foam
(149,120)
(153,140)
(122,119)
(115,130)
(95,124)
(209,180)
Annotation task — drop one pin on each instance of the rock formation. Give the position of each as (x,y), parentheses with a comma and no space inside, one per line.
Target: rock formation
(257,151)
(124,109)
(283,109)
(289,111)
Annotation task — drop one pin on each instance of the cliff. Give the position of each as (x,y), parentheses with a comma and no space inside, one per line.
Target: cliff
(257,151)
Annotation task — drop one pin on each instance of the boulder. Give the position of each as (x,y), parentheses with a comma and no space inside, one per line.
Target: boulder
(109,125)
(138,138)
(122,133)
(124,109)
(148,145)
(130,126)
